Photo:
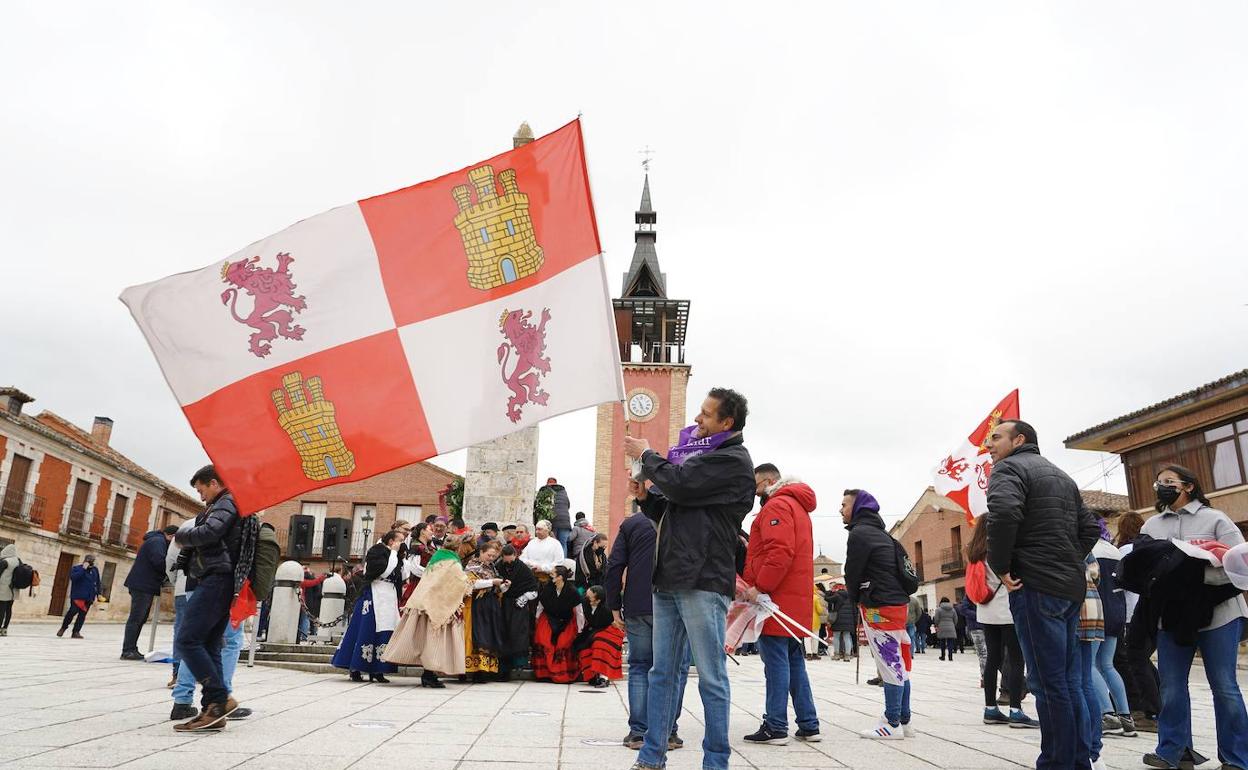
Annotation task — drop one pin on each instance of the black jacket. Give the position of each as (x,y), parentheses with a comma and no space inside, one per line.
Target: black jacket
(375,561)
(632,552)
(561,506)
(211,546)
(1038,530)
(1172,590)
(871,577)
(699,507)
(843,612)
(148,573)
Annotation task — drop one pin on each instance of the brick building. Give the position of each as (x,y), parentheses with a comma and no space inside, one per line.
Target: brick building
(371,506)
(64,493)
(935,529)
(1205,429)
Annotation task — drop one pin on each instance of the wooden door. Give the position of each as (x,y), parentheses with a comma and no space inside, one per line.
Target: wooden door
(15,490)
(78,508)
(60,585)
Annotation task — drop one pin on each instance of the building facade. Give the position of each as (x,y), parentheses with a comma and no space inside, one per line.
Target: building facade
(367,509)
(1205,429)
(64,493)
(651,335)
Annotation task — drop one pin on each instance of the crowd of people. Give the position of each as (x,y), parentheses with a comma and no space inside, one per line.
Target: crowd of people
(1055,607)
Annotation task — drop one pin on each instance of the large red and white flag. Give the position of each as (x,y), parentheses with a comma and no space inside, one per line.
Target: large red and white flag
(395,328)
(963,475)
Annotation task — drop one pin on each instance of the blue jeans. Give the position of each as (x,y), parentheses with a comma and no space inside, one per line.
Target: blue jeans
(640,632)
(914,636)
(1111,692)
(1047,627)
(1091,701)
(688,619)
(784,668)
(897,703)
(200,634)
(231,648)
(1218,648)
(179,607)
(564,536)
(305,626)
(842,642)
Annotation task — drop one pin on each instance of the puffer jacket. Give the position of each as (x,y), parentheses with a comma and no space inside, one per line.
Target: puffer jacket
(780,559)
(698,514)
(582,534)
(147,575)
(562,518)
(84,583)
(946,621)
(8,563)
(1038,529)
(871,577)
(843,612)
(211,546)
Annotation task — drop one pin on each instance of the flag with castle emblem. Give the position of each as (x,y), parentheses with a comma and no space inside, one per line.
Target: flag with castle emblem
(963,475)
(395,328)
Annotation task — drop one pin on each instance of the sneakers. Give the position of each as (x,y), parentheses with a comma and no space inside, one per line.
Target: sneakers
(907,729)
(634,741)
(1110,725)
(213,717)
(1020,720)
(1128,726)
(183,711)
(884,732)
(765,735)
(875,680)
(1144,723)
(993,716)
(1153,760)
(132,655)
(809,736)
(674,742)
(239,713)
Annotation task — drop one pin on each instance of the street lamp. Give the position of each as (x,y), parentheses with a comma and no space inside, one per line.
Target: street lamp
(366,519)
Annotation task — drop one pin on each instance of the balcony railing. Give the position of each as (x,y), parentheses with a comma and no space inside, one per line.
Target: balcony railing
(76,522)
(22,506)
(117,533)
(952,561)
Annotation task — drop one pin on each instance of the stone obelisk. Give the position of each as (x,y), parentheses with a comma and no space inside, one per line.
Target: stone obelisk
(501,478)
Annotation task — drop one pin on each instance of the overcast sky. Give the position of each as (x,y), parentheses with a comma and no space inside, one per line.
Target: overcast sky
(886,215)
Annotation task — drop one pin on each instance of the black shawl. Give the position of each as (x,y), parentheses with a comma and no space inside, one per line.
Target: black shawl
(595,621)
(559,606)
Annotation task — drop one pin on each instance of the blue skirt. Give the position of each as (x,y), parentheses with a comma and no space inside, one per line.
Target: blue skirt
(363,645)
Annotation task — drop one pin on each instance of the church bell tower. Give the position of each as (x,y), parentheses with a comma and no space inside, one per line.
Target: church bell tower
(651,336)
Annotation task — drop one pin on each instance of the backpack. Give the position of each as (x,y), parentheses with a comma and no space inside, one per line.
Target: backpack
(25,576)
(264,567)
(906,574)
(977,583)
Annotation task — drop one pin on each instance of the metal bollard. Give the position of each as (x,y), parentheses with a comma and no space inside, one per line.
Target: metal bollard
(333,603)
(284,617)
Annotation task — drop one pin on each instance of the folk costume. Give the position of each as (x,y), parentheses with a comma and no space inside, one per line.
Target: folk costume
(553,658)
(375,616)
(431,632)
(483,620)
(599,646)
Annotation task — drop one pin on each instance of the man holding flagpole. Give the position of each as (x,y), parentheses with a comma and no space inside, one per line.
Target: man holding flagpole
(698,501)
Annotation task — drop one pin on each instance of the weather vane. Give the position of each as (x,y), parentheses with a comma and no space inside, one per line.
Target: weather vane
(646,154)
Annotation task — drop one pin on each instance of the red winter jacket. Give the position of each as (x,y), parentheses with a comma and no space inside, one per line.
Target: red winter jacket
(780,561)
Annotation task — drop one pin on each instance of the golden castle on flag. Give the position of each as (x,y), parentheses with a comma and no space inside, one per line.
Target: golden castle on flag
(497,231)
(309,421)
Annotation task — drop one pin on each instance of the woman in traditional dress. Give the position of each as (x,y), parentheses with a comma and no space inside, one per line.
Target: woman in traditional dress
(483,615)
(553,659)
(419,552)
(375,615)
(519,589)
(431,632)
(598,646)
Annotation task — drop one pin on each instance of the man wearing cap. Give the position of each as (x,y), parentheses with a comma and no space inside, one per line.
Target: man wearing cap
(84,580)
(144,582)
(489,531)
(544,551)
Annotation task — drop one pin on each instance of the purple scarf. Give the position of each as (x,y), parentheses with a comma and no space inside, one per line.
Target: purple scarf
(688,446)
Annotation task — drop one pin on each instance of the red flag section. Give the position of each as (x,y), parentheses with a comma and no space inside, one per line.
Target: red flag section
(963,475)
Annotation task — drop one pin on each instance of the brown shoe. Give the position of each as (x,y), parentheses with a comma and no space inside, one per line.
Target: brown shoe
(61,632)
(204,723)
(223,709)
(77,636)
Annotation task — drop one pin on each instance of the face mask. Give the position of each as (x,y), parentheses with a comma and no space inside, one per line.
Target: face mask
(1166,495)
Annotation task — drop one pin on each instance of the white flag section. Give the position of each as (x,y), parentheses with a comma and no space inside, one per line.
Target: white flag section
(963,476)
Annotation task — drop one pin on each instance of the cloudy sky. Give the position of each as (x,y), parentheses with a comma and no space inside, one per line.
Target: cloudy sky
(886,215)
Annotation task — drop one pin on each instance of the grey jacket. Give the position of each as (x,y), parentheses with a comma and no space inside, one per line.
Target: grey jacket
(946,621)
(1038,529)
(10,561)
(1197,521)
(581,535)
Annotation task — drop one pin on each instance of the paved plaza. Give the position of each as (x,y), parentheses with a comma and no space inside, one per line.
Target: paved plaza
(69,703)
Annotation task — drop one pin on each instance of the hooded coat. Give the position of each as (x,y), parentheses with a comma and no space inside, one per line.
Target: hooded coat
(871,577)
(780,560)
(946,620)
(8,563)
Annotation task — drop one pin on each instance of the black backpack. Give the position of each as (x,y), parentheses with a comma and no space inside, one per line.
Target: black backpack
(24,576)
(906,574)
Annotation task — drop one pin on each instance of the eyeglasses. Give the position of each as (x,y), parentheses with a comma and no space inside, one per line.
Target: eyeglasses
(1160,485)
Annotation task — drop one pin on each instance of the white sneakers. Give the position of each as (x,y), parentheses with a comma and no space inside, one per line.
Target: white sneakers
(886,732)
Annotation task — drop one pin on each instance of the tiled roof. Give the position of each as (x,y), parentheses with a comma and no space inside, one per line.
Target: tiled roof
(1229,382)
(1104,501)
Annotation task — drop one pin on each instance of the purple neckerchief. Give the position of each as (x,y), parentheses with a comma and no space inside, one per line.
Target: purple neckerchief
(688,446)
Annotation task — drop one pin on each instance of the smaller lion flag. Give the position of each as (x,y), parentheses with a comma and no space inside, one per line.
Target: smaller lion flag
(393,329)
(963,475)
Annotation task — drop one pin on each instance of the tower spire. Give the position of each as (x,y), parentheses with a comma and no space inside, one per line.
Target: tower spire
(644,278)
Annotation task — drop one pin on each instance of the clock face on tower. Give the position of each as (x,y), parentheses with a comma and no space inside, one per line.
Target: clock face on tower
(642,404)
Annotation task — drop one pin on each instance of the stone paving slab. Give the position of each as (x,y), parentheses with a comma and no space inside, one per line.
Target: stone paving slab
(72,703)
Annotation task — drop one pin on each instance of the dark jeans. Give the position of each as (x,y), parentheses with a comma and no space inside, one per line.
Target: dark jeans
(1139,674)
(784,668)
(1047,628)
(999,639)
(6,614)
(140,605)
(200,632)
(75,616)
(947,647)
(1219,649)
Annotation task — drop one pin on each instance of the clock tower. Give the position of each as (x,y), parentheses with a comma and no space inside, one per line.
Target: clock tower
(651,336)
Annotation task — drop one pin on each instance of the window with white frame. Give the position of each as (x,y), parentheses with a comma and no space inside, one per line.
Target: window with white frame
(317,511)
